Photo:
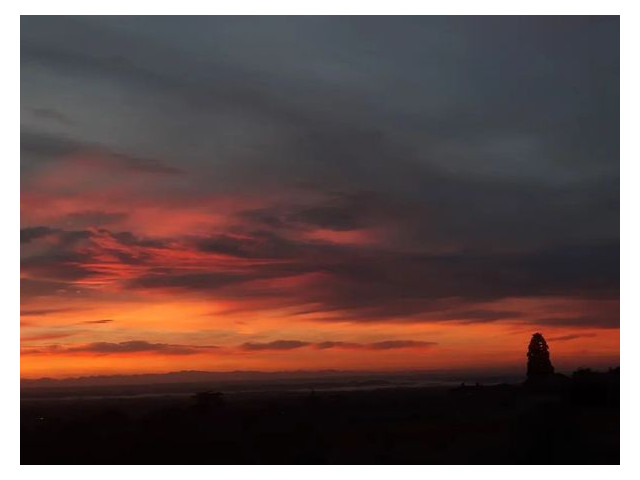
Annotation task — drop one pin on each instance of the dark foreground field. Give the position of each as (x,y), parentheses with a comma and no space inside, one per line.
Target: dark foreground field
(505,424)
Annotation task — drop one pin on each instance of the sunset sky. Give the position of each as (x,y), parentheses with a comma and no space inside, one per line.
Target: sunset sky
(305,193)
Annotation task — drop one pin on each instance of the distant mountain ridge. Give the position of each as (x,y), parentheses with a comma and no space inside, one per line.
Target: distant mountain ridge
(169,377)
(196,376)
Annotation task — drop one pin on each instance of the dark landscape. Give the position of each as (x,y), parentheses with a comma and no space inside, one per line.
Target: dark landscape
(573,421)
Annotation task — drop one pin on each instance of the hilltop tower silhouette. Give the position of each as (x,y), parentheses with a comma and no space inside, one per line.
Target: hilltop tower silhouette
(538,357)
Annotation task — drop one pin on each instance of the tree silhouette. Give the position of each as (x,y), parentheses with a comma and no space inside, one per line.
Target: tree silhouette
(538,357)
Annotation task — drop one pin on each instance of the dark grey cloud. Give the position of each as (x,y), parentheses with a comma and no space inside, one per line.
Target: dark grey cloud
(129,239)
(484,149)
(275,345)
(33,143)
(133,346)
(51,114)
(573,336)
(382,345)
(478,315)
(37,312)
(70,256)
(361,283)
(610,320)
(65,238)
(33,233)
(141,346)
(392,344)
(94,218)
(293,344)
(332,344)
(64,252)
(328,217)
(66,267)
(99,322)
(31,288)
(48,146)
(257,244)
(368,100)
(339,211)
(46,336)
(187,281)
(379,285)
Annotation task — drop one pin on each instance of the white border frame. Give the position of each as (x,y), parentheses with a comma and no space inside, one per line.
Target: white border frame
(630,312)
